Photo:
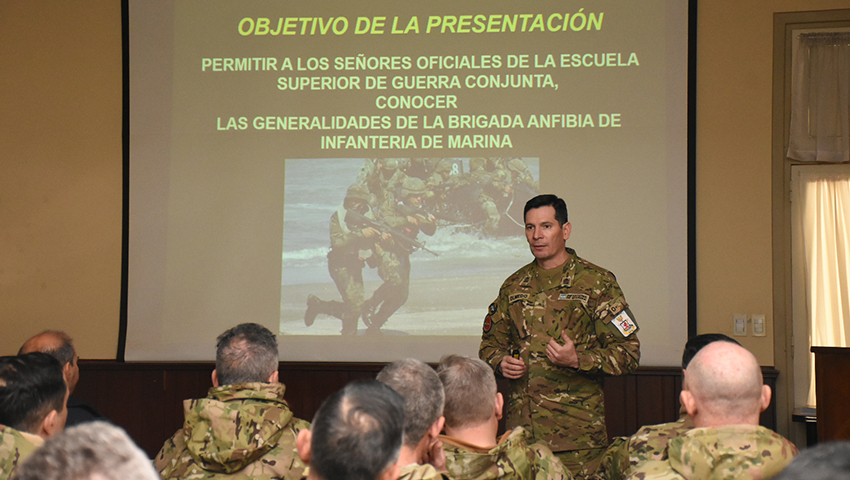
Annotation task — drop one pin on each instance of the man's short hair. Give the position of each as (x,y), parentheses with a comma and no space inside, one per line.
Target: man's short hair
(726,379)
(357,432)
(65,352)
(423,395)
(246,353)
(91,451)
(31,386)
(695,344)
(549,200)
(824,461)
(470,389)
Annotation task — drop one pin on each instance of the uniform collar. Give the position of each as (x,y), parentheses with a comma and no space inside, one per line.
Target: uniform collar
(569,268)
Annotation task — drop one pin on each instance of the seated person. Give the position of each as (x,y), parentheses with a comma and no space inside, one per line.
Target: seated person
(60,346)
(421,454)
(32,406)
(243,428)
(356,434)
(472,411)
(650,441)
(92,451)
(724,393)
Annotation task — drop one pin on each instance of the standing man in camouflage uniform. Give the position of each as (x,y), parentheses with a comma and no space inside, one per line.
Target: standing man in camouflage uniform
(473,410)
(33,395)
(724,394)
(557,326)
(352,245)
(243,428)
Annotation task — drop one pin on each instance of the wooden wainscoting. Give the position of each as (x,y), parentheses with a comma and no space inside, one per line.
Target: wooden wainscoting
(146,399)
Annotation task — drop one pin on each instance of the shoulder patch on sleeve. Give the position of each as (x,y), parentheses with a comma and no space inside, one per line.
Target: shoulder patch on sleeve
(624,324)
(488,324)
(492,308)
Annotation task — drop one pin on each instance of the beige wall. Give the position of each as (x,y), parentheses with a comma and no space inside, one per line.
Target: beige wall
(60,168)
(60,172)
(734,206)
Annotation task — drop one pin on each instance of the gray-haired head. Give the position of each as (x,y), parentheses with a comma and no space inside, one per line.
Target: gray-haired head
(423,396)
(246,353)
(55,343)
(824,461)
(91,451)
(470,389)
(60,346)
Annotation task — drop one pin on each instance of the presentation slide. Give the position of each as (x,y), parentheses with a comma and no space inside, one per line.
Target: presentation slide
(353,174)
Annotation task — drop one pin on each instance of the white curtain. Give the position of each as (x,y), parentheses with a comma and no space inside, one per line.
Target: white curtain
(825,202)
(820,99)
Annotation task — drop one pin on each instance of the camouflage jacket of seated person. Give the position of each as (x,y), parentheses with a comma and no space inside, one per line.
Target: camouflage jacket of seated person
(648,443)
(730,452)
(238,431)
(15,446)
(513,458)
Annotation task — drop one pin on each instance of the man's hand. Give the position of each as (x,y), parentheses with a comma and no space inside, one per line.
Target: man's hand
(563,355)
(369,232)
(512,368)
(436,456)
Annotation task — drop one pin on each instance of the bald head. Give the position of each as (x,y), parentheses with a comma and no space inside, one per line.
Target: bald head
(724,386)
(59,346)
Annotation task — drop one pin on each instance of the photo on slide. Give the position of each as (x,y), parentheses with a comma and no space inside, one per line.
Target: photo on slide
(418,254)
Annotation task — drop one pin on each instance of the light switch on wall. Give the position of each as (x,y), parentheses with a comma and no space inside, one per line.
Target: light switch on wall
(758,325)
(739,325)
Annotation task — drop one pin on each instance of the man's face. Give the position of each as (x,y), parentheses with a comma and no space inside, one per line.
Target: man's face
(358,206)
(72,373)
(62,416)
(414,200)
(546,238)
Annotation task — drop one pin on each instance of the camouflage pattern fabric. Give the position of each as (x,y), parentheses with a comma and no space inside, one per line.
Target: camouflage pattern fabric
(583,464)
(345,266)
(394,266)
(731,452)
(238,431)
(647,444)
(561,406)
(512,459)
(15,446)
(492,187)
(415,471)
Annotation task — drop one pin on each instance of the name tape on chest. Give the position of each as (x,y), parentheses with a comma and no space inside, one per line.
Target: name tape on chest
(518,296)
(581,297)
(624,324)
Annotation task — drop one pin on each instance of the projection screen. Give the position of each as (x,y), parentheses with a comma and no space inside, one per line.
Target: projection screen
(250,122)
